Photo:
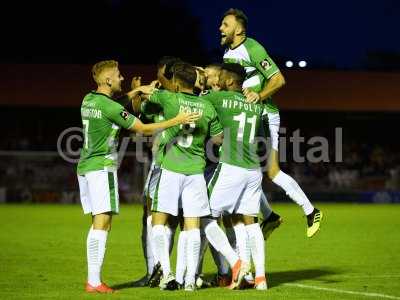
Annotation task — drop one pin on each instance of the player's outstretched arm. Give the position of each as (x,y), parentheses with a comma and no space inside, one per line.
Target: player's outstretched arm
(135,95)
(149,129)
(273,85)
(144,89)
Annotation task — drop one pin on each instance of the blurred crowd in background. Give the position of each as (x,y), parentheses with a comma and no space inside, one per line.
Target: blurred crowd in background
(32,170)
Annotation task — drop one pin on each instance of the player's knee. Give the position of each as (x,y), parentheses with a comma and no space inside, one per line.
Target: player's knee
(158,218)
(192,223)
(102,222)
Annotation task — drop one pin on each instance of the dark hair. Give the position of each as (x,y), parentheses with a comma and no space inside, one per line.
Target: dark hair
(168,62)
(239,15)
(185,73)
(236,71)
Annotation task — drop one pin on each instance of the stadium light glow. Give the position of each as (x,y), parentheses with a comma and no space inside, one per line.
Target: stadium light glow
(302,64)
(289,64)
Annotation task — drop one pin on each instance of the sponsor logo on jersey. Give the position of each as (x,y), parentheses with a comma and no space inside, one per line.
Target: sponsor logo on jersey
(124,115)
(265,65)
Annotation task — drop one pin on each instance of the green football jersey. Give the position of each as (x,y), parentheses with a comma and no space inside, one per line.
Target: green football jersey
(258,65)
(182,148)
(153,112)
(102,119)
(241,122)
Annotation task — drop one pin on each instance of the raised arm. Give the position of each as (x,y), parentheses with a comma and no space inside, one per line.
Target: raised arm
(268,69)
(271,87)
(149,129)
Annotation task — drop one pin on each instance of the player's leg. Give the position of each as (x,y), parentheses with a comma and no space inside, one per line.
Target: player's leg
(271,220)
(146,229)
(170,229)
(102,190)
(200,280)
(249,207)
(217,238)
(160,242)
(165,203)
(257,249)
(225,182)
(96,247)
(230,232)
(286,182)
(153,279)
(222,278)
(242,247)
(181,249)
(152,260)
(242,244)
(146,244)
(181,257)
(195,205)
(192,225)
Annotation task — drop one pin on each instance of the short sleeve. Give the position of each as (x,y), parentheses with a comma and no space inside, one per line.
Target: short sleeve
(117,114)
(261,60)
(215,125)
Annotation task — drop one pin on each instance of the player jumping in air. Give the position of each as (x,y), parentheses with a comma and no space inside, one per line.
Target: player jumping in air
(263,79)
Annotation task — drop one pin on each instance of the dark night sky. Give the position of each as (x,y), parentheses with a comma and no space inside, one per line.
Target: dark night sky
(327,34)
(340,32)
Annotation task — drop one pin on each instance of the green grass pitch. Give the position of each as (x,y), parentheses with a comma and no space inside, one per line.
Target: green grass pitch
(356,255)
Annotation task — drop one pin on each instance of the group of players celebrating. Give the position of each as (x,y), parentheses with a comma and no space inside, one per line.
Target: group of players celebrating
(192,111)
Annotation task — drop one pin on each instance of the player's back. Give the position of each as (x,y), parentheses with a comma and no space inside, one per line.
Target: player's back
(241,122)
(182,148)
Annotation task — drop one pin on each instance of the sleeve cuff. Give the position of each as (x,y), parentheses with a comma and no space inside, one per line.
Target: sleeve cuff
(272,74)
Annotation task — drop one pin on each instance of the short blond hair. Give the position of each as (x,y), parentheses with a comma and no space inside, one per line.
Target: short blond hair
(102,66)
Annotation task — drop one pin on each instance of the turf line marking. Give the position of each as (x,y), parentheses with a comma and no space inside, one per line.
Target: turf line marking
(369,276)
(341,291)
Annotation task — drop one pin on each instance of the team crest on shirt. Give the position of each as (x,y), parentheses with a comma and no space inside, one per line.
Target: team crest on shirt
(124,115)
(265,64)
